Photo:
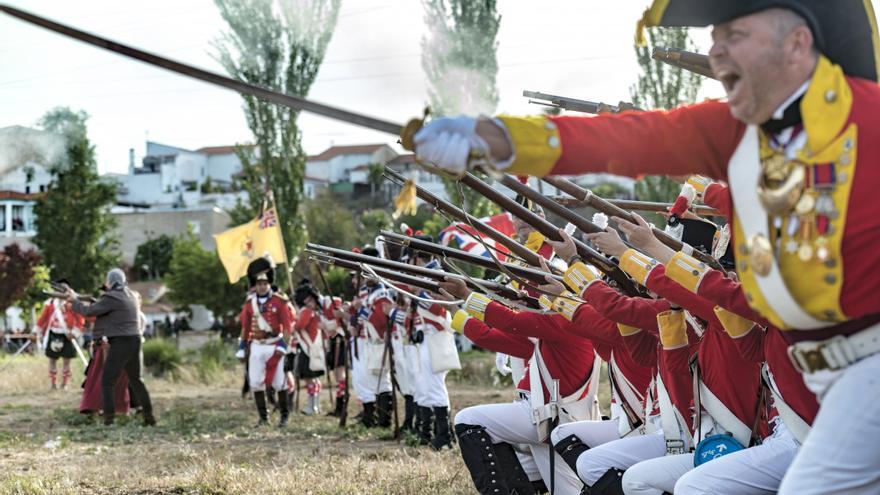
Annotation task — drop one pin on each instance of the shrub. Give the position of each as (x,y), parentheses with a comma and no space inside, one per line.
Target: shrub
(214,357)
(161,356)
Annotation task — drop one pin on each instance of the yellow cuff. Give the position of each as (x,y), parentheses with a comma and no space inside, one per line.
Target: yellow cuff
(637,265)
(735,325)
(545,302)
(565,306)
(687,271)
(673,329)
(476,305)
(459,320)
(627,330)
(578,277)
(699,183)
(536,144)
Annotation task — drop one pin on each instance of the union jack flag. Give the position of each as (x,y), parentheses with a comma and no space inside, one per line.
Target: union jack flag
(269,219)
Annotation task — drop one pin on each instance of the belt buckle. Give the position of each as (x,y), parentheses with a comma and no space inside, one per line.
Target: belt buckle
(674,446)
(810,357)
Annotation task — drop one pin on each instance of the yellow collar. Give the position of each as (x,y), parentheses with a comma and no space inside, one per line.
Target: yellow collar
(826,105)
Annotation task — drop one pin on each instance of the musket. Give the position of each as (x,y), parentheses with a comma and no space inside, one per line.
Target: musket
(514,247)
(534,275)
(631,204)
(318,251)
(421,283)
(690,61)
(336,352)
(575,105)
(404,132)
(587,197)
(549,230)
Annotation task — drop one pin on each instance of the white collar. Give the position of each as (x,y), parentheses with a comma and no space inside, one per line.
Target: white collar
(794,96)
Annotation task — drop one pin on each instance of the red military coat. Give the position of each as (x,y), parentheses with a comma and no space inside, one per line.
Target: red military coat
(47,319)
(276,311)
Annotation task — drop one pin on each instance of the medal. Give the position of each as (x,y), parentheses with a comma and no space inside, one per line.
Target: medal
(805,205)
(779,197)
(822,251)
(760,254)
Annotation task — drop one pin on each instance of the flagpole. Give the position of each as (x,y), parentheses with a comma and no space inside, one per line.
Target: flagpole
(287,266)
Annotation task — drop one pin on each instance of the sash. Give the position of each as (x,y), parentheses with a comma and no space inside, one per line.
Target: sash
(542,413)
(675,431)
(630,399)
(261,322)
(792,420)
(744,171)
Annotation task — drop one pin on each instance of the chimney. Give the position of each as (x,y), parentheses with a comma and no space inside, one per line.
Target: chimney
(131,161)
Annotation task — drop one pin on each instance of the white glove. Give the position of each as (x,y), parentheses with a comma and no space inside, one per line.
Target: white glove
(448,141)
(501,364)
(239,354)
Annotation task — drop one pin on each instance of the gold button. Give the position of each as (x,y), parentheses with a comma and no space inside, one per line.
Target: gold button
(830,279)
(830,96)
(696,273)
(549,125)
(843,160)
(830,263)
(553,142)
(847,144)
(743,249)
(830,314)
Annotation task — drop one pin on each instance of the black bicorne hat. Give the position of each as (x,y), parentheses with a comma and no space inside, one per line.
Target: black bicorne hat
(843,29)
(303,291)
(260,269)
(699,234)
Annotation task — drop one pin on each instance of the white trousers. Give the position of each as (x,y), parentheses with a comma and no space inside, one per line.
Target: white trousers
(512,423)
(257,360)
(756,470)
(406,365)
(366,382)
(619,454)
(655,476)
(841,454)
(430,386)
(592,433)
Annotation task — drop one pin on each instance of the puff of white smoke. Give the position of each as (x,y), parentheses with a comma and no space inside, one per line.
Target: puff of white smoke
(20,146)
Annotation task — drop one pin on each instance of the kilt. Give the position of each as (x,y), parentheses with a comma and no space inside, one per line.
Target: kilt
(336,350)
(302,365)
(59,346)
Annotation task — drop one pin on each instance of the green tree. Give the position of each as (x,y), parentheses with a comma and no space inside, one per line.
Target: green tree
(277,45)
(461,66)
(662,86)
(153,257)
(329,222)
(73,220)
(375,176)
(196,276)
(370,223)
(31,303)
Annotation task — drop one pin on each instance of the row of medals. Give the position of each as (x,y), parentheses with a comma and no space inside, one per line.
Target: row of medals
(784,194)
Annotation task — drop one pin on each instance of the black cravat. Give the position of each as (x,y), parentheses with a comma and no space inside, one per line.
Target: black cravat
(791,116)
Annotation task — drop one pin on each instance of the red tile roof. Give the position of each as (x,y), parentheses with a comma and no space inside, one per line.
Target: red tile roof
(407,158)
(334,151)
(20,196)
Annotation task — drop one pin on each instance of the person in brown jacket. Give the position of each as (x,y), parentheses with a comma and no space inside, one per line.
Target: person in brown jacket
(116,321)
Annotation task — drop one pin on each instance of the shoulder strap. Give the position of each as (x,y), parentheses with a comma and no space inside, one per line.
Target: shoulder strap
(261,322)
(793,421)
(675,431)
(704,398)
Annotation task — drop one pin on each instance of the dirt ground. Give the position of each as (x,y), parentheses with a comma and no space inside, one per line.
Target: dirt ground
(206,444)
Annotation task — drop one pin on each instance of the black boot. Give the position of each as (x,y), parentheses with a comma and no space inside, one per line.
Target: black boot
(494,468)
(425,417)
(369,417)
(611,483)
(260,399)
(570,448)
(442,439)
(512,472)
(383,403)
(282,405)
(417,419)
(409,410)
(337,411)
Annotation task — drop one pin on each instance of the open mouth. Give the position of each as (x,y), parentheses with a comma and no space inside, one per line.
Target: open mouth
(729,79)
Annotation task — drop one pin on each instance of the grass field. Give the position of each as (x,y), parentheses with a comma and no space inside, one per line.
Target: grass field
(206,444)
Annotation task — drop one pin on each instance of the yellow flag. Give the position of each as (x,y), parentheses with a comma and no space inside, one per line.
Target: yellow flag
(240,245)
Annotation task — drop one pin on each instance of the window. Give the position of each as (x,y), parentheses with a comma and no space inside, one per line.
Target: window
(19,220)
(2,217)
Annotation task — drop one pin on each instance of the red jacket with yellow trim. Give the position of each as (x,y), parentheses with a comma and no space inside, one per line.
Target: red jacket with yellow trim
(568,357)
(732,378)
(275,311)
(840,118)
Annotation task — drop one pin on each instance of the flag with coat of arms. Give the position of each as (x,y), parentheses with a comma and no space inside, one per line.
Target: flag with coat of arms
(238,246)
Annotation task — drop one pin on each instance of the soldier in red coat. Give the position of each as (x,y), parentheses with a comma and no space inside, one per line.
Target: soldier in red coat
(310,360)
(59,326)
(798,143)
(266,320)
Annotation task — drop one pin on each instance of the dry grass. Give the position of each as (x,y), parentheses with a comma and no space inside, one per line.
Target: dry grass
(205,443)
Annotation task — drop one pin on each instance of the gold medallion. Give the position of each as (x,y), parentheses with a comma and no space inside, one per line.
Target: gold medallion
(805,252)
(760,254)
(805,205)
(822,251)
(778,197)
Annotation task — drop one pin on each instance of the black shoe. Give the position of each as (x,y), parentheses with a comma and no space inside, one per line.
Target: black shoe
(282,405)
(337,412)
(442,438)
(149,419)
(409,412)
